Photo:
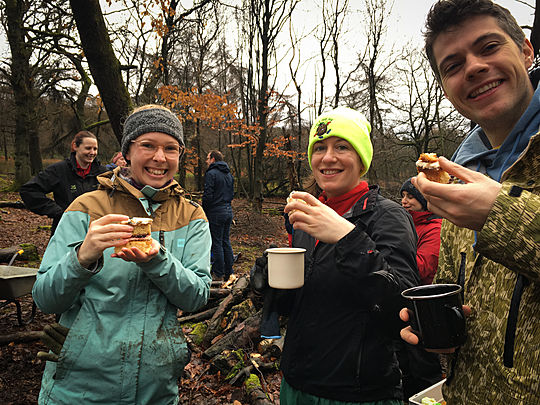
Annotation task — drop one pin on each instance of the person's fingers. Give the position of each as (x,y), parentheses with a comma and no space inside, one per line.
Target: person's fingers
(47,356)
(110,218)
(136,255)
(307,197)
(467,310)
(431,189)
(408,336)
(404,314)
(294,206)
(53,333)
(60,329)
(462,173)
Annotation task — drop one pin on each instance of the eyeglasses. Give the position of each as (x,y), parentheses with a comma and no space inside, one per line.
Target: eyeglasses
(171,150)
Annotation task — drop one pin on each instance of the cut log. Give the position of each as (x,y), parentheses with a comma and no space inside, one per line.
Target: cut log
(256,363)
(235,296)
(20,337)
(255,392)
(242,336)
(29,253)
(228,363)
(199,316)
(219,292)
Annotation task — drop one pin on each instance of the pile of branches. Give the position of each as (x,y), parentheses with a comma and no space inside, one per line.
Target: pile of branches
(225,336)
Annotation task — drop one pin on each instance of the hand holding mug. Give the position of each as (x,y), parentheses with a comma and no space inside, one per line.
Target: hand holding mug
(436,316)
(410,337)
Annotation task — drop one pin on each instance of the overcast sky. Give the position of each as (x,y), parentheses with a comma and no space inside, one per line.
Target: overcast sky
(411,15)
(405,25)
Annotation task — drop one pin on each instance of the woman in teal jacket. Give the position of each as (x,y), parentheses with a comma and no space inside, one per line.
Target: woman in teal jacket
(124,343)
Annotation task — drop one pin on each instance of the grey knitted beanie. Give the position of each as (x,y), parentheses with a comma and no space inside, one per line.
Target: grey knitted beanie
(151,120)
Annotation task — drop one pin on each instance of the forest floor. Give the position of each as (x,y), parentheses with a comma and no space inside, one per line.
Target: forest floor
(20,371)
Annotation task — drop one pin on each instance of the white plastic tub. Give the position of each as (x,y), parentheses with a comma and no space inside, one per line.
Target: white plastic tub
(435,392)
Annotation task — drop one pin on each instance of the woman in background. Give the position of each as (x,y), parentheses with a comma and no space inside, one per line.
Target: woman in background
(428,228)
(117,160)
(66,179)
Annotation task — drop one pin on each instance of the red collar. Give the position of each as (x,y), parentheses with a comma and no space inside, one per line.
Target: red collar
(83,172)
(344,202)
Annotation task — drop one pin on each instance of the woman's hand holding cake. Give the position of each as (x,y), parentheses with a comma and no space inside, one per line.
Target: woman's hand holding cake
(103,233)
(130,238)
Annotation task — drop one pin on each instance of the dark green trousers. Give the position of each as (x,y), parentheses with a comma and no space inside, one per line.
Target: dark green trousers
(289,396)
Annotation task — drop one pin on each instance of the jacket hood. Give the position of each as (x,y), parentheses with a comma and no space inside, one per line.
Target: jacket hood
(476,152)
(221,166)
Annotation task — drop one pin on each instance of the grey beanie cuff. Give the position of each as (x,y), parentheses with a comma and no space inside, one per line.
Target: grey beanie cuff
(151,120)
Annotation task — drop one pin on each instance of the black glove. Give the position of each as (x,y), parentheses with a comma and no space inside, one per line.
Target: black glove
(258,275)
(53,336)
(269,327)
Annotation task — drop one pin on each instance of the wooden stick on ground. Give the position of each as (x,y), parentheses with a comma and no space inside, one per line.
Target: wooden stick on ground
(20,337)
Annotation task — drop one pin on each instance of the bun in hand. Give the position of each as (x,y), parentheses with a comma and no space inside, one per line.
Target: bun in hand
(141,237)
(290,199)
(428,163)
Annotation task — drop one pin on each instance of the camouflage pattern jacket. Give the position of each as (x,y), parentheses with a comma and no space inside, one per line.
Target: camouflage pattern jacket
(500,361)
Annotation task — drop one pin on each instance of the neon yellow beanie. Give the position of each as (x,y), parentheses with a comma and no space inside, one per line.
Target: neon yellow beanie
(346,123)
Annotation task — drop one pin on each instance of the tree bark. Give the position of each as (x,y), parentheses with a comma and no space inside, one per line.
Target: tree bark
(27,152)
(104,65)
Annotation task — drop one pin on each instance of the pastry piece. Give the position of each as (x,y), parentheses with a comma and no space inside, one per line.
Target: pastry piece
(290,199)
(428,163)
(141,237)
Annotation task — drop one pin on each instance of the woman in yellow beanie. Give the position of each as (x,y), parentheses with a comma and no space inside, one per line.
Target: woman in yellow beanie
(360,254)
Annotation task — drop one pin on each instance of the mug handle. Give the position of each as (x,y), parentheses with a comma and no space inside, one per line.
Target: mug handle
(413,321)
(457,321)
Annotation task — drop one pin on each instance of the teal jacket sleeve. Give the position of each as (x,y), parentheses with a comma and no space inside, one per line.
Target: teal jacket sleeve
(182,271)
(61,278)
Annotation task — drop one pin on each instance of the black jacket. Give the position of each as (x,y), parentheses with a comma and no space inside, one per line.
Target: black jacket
(218,188)
(62,180)
(344,321)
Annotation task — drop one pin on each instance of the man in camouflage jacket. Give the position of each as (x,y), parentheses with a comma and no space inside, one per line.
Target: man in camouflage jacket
(490,238)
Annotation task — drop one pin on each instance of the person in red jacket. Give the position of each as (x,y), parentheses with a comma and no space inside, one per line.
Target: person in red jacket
(428,228)
(421,369)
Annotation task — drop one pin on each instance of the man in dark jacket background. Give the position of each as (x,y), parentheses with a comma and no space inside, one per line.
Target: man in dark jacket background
(217,197)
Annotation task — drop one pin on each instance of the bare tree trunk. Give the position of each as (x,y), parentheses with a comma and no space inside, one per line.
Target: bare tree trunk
(27,152)
(104,65)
